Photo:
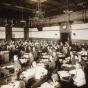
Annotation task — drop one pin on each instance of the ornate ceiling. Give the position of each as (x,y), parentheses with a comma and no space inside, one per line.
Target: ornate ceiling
(12,9)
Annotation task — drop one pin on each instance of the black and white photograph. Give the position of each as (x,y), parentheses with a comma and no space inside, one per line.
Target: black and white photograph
(43,43)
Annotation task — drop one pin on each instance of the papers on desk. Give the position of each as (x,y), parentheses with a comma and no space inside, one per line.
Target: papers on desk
(46,85)
(63,73)
(85,58)
(65,61)
(28,73)
(40,51)
(7,86)
(23,60)
(61,55)
(61,60)
(40,71)
(26,55)
(67,65)
(15,84)
(44,60)
(4,71)
(44,53)
(6,52)
(10,66)
(45,56)
(41,64)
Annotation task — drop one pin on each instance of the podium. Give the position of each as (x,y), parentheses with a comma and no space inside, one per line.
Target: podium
(4,57)
(1,57)
(64,75)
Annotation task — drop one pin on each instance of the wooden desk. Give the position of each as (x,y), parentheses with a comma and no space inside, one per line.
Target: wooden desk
(67,67)
(85,58)
(4,71)
(64,75)
(38,82)
(27,75)
(46,85)
(9,67)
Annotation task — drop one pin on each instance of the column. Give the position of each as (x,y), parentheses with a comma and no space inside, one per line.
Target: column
(8,30)
(26,33)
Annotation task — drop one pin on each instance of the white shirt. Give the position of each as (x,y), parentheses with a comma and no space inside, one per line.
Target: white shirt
(40,71)
(83,52)
(80,78)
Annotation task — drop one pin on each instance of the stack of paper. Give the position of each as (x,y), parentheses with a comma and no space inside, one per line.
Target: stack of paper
(63,73)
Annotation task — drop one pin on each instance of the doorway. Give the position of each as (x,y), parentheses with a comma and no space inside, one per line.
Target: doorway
(65,37)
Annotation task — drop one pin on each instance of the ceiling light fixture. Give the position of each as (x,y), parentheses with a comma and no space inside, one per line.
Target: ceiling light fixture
(38,17)
(67,11)
(22,21)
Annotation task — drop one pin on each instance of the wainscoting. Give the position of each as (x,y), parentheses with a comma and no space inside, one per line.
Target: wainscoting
(79,41)
(47,39)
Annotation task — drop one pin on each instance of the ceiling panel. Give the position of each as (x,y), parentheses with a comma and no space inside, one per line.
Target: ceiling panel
(13,8)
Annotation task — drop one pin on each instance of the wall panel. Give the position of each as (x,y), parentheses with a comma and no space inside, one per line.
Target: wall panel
(17,32)
(48,32)
(44,34)
(2,33)
(80,34)
(79,26)
(17,29)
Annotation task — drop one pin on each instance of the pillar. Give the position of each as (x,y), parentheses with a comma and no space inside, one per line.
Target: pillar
(8,29)
(26,33)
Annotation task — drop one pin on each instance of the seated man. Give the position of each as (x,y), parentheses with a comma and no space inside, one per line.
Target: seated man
(31,58)
(82,62)
(55,81)
(79,78)
(83,52)
(36,71)
(72,59)
(40,70)
(17,65)
(52,83)
(52,65)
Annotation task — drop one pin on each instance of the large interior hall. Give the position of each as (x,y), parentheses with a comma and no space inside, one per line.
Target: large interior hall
(43,43)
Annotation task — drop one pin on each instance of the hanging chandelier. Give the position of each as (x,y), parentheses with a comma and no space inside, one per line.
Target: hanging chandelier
(22,21)
(38,15)
(67,11)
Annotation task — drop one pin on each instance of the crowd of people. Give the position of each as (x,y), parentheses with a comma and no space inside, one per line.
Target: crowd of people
(73,54)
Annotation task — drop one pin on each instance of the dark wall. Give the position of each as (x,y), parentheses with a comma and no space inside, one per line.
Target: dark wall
(26,33)
(8,30)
